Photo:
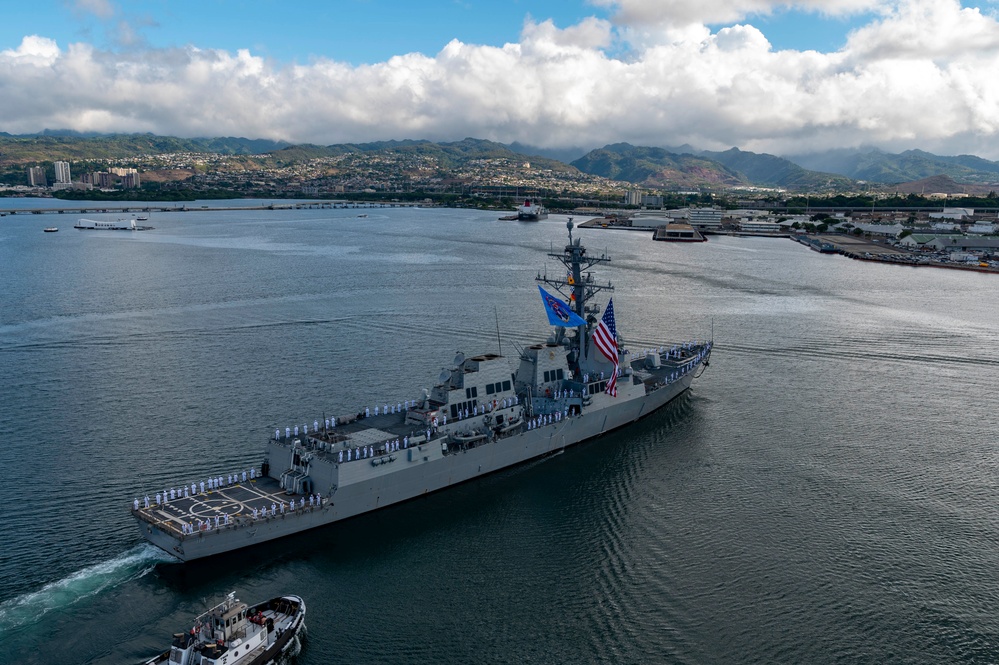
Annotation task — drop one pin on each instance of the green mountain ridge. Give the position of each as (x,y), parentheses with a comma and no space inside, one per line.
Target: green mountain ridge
(659,167)
(656,167)
(772,171)
(57,146)
(876,166)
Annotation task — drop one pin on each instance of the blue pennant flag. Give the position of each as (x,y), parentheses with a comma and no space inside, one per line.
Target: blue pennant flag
(559,313)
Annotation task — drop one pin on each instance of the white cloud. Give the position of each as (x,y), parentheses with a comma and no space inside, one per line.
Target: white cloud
(33,50)
(103,9)
(652,13)
(591,33)
(925,29)
(896,83)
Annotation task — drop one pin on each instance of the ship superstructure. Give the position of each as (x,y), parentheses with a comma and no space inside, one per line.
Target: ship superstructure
(485,412)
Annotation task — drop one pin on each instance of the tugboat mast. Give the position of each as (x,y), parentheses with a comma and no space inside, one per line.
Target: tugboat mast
(580,288)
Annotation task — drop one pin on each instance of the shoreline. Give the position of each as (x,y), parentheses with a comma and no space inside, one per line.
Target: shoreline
(859,249)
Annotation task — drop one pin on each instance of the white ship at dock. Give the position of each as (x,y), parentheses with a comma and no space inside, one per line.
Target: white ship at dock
(531,212)
(486,412)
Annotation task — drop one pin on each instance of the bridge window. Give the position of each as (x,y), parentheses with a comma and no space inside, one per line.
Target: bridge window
(506,385)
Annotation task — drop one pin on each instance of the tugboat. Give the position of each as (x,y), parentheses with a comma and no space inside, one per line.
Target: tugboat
(486,412)
(233,633)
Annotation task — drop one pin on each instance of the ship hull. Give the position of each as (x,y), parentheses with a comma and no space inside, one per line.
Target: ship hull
(423,469)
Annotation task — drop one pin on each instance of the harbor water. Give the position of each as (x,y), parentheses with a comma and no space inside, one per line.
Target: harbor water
(826,492)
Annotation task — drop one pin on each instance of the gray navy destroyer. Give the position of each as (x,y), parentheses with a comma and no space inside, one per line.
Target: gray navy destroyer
(486,412)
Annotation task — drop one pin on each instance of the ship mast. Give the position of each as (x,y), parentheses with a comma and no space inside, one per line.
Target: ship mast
(577,288)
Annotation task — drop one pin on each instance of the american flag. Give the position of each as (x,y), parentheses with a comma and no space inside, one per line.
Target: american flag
(605,337)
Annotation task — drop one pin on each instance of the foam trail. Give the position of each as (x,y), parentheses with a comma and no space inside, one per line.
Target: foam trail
(90,581)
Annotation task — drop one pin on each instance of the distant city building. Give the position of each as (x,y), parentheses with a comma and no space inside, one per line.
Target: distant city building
(126,178)
(36,177)
(699,218)
(652,201)
(944,226)
(963,244)
(760,226)
(62,172)
(800,219)
(652,219)
(953,213)
(633,197)
(881,230)
(705,218)
(981,228)
(921,240)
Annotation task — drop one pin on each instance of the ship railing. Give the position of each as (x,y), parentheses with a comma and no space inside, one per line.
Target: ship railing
(677,370)
(241,521)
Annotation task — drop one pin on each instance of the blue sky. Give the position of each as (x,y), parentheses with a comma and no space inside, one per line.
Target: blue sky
(354,31)
(779,76)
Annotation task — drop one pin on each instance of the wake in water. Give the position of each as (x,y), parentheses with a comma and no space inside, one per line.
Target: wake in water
(62,594)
